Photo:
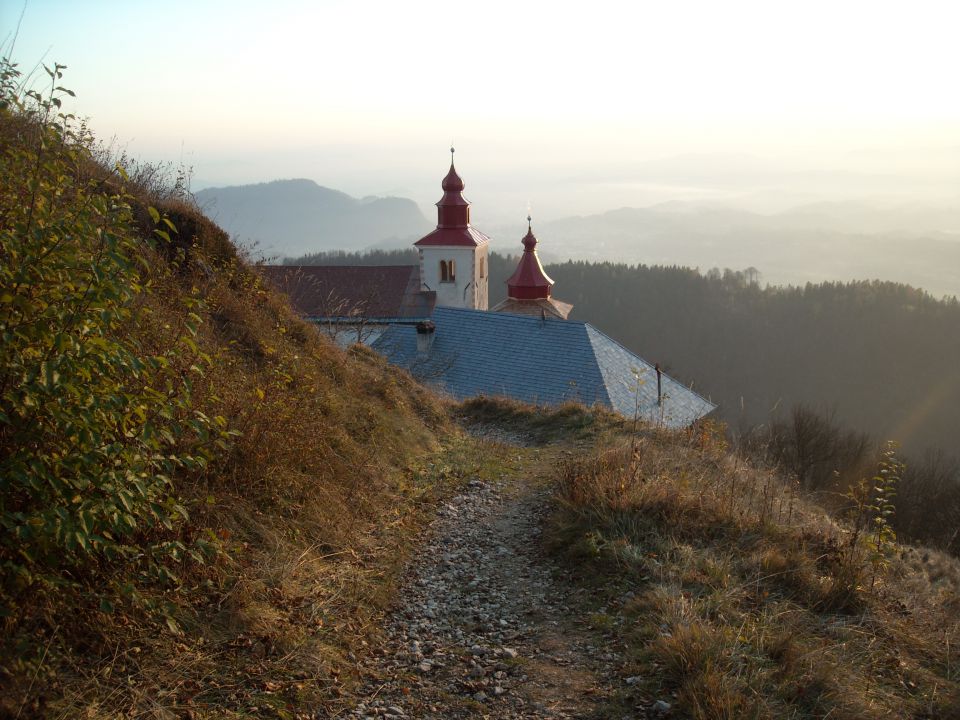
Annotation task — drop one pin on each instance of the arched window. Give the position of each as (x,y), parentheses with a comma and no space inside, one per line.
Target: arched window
(453,270)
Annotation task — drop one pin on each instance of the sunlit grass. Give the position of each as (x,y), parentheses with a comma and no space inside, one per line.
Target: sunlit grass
(739,598)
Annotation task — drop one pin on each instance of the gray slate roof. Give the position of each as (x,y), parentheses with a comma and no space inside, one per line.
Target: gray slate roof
(540,361)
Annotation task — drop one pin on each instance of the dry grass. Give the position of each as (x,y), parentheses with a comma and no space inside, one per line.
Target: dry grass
(738,598)
(313,507)
(542,424)
(275,631)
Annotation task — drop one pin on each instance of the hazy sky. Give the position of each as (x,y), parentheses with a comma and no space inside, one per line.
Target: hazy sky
(573,107)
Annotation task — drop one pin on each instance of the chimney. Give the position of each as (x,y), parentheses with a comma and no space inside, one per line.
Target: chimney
(659,385)
(425,334)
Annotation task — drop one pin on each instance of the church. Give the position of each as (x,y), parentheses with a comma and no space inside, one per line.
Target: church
(433,320)
(456,244)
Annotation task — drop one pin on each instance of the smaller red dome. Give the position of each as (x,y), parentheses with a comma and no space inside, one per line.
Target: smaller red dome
(529,281)
(529,240)
(452,182)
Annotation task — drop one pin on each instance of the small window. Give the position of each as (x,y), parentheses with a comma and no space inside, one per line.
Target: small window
(483,268)
(448,271)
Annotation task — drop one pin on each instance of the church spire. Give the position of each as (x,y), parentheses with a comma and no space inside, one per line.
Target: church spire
(453,258)
(453,210)
(529,281)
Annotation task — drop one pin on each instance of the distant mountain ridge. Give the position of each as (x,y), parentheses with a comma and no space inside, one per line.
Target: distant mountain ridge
(841,240)
(297,216)
(714,218)
(809,243)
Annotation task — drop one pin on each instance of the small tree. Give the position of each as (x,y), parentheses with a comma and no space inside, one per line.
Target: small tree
(815,449)
(873,510)
(94,420)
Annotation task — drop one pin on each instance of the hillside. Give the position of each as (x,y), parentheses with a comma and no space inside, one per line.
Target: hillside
(731,595)
(210,511)
(610,571)
(289,217)
(203,501)
(883,356)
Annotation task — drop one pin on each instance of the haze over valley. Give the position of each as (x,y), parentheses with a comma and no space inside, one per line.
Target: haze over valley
(909,242)
(736,115)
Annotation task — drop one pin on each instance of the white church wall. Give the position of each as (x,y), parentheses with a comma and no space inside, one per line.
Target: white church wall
(465,289)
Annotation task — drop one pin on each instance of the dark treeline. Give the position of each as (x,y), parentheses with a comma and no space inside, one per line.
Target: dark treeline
(884,357)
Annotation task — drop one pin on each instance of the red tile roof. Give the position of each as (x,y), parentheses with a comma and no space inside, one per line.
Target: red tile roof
(347,291)
(456,237)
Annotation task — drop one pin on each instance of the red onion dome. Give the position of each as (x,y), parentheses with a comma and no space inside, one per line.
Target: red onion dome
(529,281)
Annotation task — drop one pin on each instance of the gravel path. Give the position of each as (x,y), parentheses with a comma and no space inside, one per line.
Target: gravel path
(486,625)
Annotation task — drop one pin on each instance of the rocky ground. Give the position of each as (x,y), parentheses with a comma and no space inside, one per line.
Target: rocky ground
(487,626)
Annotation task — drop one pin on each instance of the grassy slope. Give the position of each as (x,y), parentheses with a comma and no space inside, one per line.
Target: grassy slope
(734,597)
(727,589)
(311,507)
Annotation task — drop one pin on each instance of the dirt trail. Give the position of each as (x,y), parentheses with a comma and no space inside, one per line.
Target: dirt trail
(486,625)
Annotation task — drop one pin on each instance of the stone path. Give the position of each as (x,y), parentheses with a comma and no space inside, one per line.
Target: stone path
(486,625)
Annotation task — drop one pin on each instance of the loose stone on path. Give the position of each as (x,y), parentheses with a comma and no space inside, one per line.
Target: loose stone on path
(482,627)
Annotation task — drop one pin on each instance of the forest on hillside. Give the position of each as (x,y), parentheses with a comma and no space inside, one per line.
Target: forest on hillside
(883,356)
(880,357)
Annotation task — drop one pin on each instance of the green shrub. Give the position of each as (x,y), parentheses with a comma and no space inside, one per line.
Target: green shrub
(872,513)
(93,421)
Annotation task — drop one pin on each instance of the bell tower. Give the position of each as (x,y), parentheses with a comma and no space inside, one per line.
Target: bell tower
(453,258)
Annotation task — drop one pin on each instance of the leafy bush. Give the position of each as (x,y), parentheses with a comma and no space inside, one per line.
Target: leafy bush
(873,510)
(94,419)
